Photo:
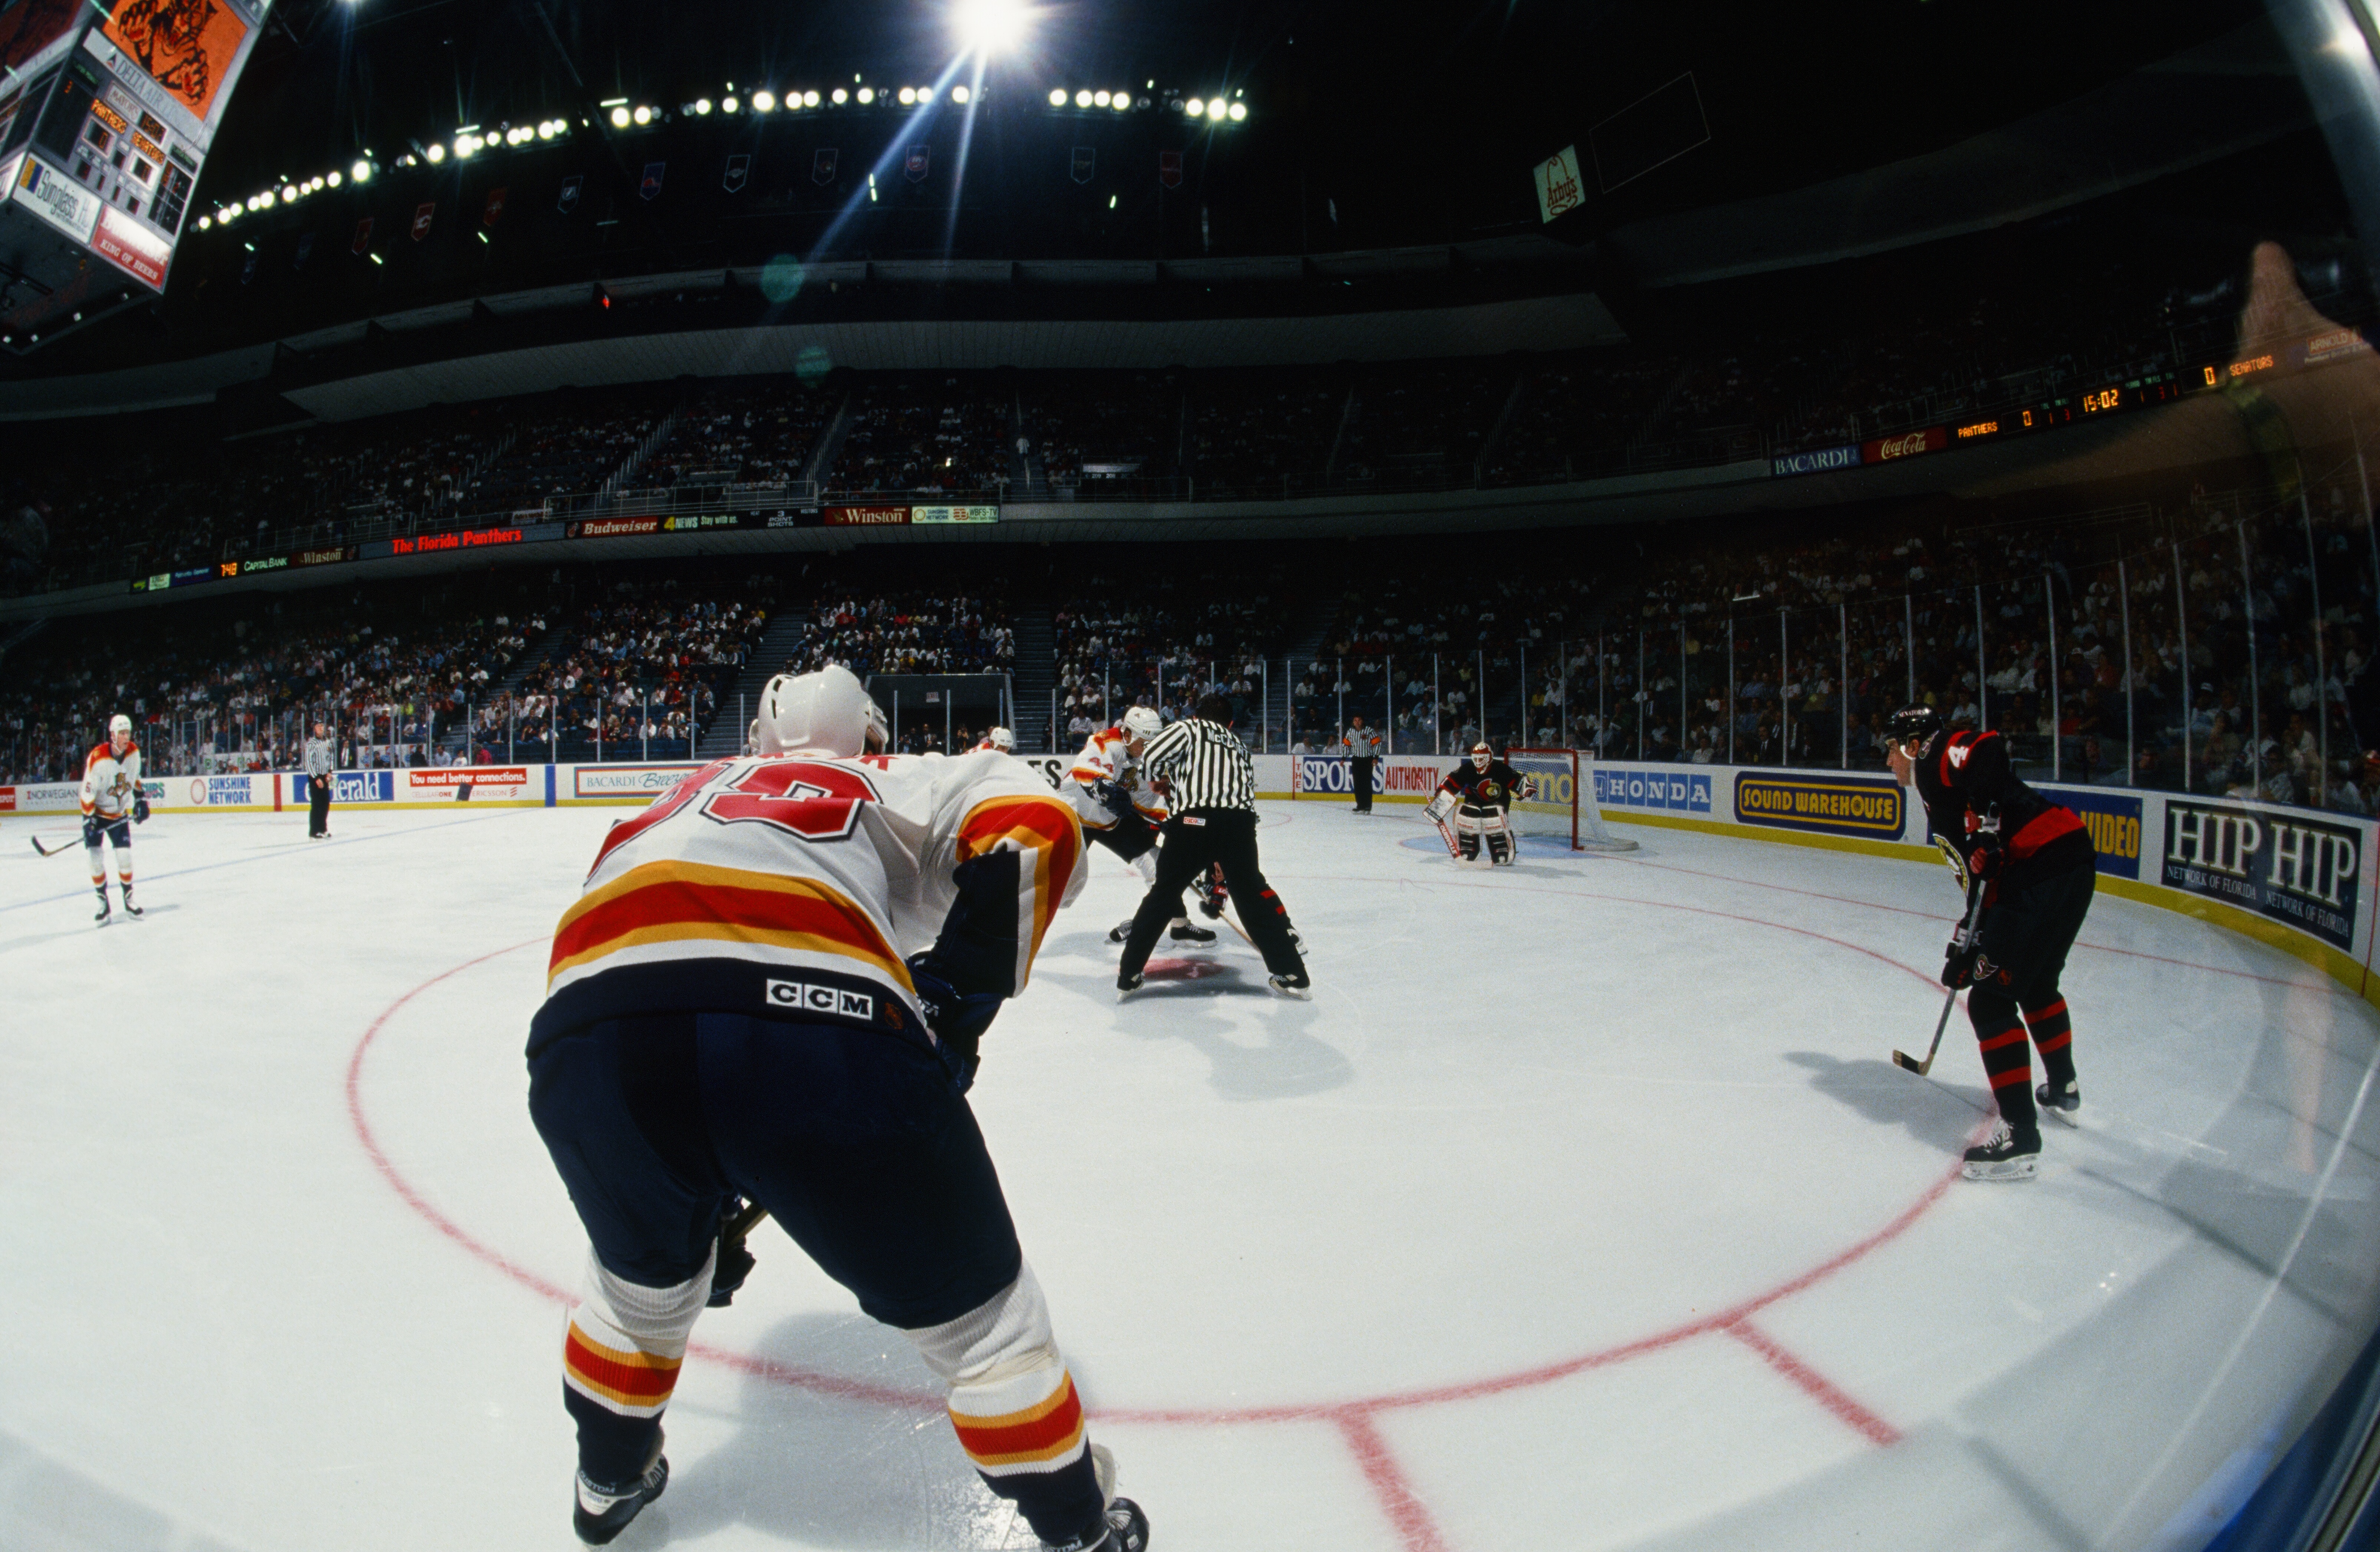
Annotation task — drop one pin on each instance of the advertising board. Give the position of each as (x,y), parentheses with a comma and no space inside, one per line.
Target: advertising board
(2280,863)
(627,781)
(1870,808)
(461,784)
(1679,789)
(2114,820)
(348,786)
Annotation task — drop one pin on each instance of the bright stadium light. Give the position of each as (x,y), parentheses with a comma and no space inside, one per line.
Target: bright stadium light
(766,101)
(841,96)
(925,94)
(1099,99)
(908,96)
(960,94)
(436,153)
(1082,99)
(547,130)
(333,179)
(1058,97)
(989,26)
(1194,107)
(727,104)
(1239,111)
(643,116)
(1121,102)
(866,95)
(619,118)
(702,106)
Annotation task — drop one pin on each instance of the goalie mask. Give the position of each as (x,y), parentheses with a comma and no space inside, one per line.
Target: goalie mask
(1481,756)
(827,712)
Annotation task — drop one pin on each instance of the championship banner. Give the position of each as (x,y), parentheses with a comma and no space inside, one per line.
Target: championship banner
(422,215)
(1086,158)
(569,200)
(739,167)
(362,243)
(915,166)
(1873,808)
(651,188)
(1168,168)
(2278,863)
(493,210)
(823,166)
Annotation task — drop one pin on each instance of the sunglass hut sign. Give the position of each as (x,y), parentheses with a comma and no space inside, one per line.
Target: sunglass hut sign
(2291,869)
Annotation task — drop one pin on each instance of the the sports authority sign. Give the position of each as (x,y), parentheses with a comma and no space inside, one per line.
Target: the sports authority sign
(2275,862)
(1556,179)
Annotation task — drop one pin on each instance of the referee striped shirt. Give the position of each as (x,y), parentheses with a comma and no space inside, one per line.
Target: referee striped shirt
(1204,764)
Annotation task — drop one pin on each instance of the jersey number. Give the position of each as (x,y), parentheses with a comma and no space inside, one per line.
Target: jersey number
(807,798)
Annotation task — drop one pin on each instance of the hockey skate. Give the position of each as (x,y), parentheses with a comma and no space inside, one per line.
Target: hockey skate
(1127,985)
(2052,1097)
(129,908)
(1186,931)
(1295,984)
(1122,1528)
(2010,1153)
(602,1512)
(106,912)
(1120,931)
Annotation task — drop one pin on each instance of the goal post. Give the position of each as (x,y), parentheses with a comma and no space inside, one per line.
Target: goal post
(1560,800)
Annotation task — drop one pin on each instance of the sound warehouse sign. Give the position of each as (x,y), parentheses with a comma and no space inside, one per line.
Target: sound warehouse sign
(2299,872)
(1822,805)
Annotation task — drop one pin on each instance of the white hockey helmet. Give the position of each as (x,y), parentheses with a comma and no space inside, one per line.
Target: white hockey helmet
(1481,755)
(119,724)
(1002,739)
(827,712)
(1142,721)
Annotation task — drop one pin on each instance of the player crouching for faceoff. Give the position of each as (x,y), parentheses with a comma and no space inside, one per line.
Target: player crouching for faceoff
(998,740)
(112,805)
(1478,794)
(1121,812)
(729,1014)
(2037,870)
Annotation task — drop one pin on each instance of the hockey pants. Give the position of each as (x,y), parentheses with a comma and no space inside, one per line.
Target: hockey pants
(2024,935)
(118,833)
(1192,843)
(859,1145)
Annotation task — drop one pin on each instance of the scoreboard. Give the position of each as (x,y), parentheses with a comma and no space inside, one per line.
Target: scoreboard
(105,123)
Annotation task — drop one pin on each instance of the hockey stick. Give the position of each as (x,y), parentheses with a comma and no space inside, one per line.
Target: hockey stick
(1902,1058)
(66,845)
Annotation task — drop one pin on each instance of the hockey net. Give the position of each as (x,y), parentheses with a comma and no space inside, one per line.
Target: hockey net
(1560,800)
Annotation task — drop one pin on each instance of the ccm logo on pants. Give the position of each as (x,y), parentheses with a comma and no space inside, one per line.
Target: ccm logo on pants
(823,999)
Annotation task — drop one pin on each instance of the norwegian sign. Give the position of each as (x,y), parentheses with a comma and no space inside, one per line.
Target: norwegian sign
(1869,808)
(1556,180)
(2295,870)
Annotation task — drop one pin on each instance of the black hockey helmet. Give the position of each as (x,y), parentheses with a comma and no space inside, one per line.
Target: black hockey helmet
(1914,725)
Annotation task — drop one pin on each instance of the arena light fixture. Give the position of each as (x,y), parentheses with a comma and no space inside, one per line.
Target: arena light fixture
(547,130)
(989,26)
(960,94)
(643,116)
(288,195)
(436,153)
(1239,111)
(1098,99)
(841,96)
(810,99)
(866,95)
(727,104)
(204,222)
(1121,102)
(766,101)
(1195,107)
(619,118)
(333,179)
(908,96)
(925,95)
(1058,97)
(702,107)
(1083,98)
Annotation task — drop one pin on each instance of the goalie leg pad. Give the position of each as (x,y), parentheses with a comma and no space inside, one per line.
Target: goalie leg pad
(1015,1408)
(1468,828)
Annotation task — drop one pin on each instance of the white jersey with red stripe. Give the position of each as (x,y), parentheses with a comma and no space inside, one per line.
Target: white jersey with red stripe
(111,781)
(796,886)
(1107,756)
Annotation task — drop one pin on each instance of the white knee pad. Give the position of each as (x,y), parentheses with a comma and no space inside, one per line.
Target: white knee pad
(1145,865)
(625,1341)
(1010,1398)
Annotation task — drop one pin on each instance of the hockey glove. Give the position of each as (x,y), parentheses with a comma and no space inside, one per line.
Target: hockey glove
(1211,892)
(140,810)
(1109,793)
(1958,967)
(958,1019)
(1986,856)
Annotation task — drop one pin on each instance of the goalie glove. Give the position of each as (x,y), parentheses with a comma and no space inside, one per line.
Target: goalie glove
(958,1018)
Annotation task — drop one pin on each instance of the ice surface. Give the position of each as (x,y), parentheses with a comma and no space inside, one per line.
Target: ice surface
(1581,1207)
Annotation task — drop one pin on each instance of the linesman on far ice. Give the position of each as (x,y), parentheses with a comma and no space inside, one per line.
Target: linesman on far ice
(112,805)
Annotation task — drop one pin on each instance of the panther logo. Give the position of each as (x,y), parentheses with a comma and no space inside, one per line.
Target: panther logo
(167,38)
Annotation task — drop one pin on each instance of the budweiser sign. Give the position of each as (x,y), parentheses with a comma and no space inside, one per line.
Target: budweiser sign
(612,527)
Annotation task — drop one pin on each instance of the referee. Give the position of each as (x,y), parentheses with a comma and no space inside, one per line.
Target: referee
(319,763)
(1212,788)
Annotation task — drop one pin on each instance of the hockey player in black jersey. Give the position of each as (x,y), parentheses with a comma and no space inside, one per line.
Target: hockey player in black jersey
(1478,794)
(2037,870)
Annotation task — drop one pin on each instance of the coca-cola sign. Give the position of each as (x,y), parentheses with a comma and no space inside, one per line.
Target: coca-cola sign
(1933,439)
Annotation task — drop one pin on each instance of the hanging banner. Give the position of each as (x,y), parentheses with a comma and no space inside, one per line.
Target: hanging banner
(1086,158)
(421,218)
(738,166)
(569,200)
(494,210)
(1556,180)
(823,166)
(914,167)
(362,244)
(1168,168)
(651,188)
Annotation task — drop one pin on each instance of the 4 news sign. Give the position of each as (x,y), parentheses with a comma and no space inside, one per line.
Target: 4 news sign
(2298,871)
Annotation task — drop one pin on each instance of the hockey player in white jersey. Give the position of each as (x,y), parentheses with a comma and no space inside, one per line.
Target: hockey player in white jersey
(1121,812)
(998,740)
(773,988)
(112,805)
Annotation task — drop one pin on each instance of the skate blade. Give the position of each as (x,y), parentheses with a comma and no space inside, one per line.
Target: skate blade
(1303,994)
(2005,1170)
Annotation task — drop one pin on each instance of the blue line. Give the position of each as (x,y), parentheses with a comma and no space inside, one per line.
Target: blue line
(270,857)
